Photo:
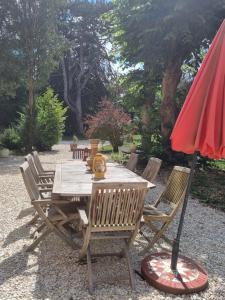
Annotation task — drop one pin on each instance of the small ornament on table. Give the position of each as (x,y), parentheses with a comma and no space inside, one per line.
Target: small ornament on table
(99,166)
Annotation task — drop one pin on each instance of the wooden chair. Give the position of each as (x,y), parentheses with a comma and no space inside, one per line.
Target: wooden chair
(54,214)
(79,153)
(39,166)
(132,162)
(172,196)
(152,169)
(114,213)
(39,178)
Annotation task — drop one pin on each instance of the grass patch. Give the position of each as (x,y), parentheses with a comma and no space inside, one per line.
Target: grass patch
(218,164)
(106,148)
(119,157)
(209,187)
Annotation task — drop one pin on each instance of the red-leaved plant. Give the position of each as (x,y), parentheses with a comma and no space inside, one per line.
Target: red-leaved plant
(109,123)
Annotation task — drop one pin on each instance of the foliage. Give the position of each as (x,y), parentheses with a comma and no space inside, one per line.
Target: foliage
(26,125)
(50,120)
(86,59)
(154,32)
(108,124)
(10,138)
(159,36)
(30,41)
(208,187)
(119,157)
(30,48)
(10,106)
(75,139)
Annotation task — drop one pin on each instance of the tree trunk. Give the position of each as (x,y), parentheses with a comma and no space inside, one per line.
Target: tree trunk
(171,79)
(78,113)
(115,148)
(30,122)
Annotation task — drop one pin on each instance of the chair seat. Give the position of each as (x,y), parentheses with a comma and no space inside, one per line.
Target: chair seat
(110,235)
(154,213)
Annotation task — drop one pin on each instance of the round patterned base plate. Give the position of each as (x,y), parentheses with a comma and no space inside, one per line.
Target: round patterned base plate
(190,277)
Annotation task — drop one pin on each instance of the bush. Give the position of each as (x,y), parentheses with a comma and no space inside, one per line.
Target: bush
(49,120)
(108,124)
(11,139)
(26,127)
(47,127)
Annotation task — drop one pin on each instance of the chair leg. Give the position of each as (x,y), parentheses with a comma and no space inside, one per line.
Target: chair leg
(131,271)
(33,220)
(90,275)
(84,248)
(37,241)
(38,229)
(155,229)
(156,237)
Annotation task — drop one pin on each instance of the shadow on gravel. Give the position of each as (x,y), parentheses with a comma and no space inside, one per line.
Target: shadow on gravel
(10,165)
(22,232)
(48,153)
(25,212)
(13,266)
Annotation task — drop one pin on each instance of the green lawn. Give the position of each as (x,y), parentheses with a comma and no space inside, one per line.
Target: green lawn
(136,139)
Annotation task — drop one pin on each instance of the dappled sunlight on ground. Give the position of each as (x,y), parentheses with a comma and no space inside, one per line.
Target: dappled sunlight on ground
(52,271)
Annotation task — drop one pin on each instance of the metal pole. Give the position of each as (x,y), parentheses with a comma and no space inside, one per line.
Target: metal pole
(176,242)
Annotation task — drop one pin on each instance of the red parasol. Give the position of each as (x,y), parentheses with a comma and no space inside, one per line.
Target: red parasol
(200,127)
(201,123)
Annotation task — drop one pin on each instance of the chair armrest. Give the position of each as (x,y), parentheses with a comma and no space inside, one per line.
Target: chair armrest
(50,201)
(43,201)
(83,216)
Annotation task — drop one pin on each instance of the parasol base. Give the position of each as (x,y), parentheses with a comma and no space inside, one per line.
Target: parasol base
(190,276)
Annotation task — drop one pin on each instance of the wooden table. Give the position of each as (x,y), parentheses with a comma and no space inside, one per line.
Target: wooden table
(72,178)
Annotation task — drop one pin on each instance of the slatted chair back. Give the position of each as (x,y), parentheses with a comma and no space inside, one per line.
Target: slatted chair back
(152,169)
(37,162)
(116,206)
(32,166)
(79,153)
(132,162)
(29,181)
(176,186)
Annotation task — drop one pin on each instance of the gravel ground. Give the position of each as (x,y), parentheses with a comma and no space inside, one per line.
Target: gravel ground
(52,271)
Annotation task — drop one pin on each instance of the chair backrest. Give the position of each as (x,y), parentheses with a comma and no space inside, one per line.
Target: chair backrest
(116,206)
(79,153)
(29,181)
(32,166)
(132,162)
(176,186)
(152,169)
(37,162)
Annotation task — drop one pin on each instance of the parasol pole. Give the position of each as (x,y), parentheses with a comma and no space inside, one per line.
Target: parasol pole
(176,242)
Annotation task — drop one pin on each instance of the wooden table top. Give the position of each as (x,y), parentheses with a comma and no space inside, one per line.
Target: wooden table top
(72,178)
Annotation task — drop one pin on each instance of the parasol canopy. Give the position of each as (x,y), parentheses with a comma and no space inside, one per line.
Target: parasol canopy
(201,123)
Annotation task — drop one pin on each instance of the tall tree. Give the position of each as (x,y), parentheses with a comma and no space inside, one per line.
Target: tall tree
(87,57)
(161,34)
(29,38)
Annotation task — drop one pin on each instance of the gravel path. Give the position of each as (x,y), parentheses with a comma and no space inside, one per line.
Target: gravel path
(52,271)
